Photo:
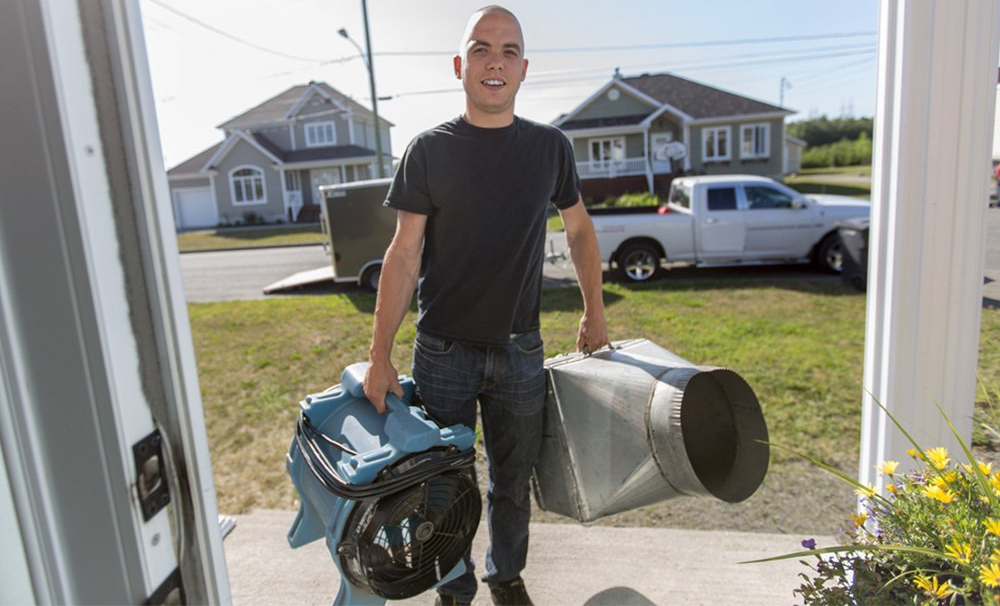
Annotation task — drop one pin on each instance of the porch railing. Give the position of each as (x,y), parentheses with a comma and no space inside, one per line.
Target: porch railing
(608,169)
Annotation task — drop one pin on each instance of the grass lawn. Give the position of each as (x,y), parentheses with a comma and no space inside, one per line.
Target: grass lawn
(234,237)
(798,343)
(840,180)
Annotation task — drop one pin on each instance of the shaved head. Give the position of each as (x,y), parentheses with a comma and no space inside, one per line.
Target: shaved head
(479,14)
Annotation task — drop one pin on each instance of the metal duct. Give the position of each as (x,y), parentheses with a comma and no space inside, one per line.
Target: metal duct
(637,424)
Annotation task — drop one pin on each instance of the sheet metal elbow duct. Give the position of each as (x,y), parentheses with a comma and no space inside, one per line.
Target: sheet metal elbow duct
(637,424)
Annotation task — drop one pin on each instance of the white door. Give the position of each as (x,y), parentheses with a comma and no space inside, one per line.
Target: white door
(721,226)
(658,144)
(326,176)
(195,208)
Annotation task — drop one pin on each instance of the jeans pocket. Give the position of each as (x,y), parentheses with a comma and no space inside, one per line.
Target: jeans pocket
(529,343)
(434,345)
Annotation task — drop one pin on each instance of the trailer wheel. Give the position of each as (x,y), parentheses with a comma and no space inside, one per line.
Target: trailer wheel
(370,277)
(638,262)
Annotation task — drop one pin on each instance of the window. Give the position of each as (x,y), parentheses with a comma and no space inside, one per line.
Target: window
(248,185)
(754,139)
(319,134)
(292,181)
(715,143)
(759,198)
(722,198)
(680,194)
(603,151)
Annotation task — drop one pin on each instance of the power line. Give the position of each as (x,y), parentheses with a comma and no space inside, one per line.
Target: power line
(225,34)
(594,49)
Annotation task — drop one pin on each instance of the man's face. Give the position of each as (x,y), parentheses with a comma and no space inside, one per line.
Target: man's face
(493,67)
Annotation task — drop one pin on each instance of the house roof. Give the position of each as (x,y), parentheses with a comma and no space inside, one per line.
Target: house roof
(195,163)
(698,100)
(276,108)
(602,122)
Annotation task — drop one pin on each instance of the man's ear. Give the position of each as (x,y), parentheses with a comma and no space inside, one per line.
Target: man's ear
(458,67)
(524,72)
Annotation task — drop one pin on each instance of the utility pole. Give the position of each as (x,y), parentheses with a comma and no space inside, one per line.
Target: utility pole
(785,84)
(370,64)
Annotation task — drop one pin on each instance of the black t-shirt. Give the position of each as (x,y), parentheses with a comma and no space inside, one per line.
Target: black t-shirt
(485,192)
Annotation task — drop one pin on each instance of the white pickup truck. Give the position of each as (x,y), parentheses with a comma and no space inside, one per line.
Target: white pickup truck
(725,219)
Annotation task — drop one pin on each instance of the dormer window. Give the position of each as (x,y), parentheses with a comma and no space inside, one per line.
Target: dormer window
(320,134)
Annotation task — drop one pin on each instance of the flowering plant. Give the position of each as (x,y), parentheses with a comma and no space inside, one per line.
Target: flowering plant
(934,538)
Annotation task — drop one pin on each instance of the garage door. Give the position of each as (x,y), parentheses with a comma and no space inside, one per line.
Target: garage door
(195,208)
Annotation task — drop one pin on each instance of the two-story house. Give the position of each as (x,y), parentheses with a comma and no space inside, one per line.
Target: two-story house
(636,133)
(275,156)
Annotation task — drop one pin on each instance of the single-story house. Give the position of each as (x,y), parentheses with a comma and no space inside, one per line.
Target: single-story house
(275,156)
(636,133)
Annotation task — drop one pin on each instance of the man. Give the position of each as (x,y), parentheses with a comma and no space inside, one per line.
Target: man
(471,197)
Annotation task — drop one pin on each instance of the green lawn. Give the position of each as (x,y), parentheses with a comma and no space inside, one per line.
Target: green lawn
(841,180)
(799,343)
(234,237)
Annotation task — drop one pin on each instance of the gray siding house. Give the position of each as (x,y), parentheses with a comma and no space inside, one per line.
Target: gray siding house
(275,156)
(636,133)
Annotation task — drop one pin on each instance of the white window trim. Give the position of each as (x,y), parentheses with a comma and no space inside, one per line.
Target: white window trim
(232,186)
(604,161)
(714,131)
(767,140)
(292,176)
(312,127)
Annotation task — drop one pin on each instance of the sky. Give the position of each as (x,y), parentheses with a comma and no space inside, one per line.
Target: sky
(210,61)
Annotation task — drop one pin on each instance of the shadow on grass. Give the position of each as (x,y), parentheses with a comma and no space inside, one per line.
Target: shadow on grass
(794,277)
(830,188)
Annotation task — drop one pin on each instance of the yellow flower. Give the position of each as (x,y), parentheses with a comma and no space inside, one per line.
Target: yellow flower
(993,526)
(939,494)
(986,468)
(990,575)
(995,481)
(960,551)
(933,588)
(995,558)
(914,454)
(889,467)
(938,457)
(944,479)
(859,519)
(865,490)
(890,487)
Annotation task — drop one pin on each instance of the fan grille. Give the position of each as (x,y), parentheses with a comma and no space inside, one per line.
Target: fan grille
(406,542)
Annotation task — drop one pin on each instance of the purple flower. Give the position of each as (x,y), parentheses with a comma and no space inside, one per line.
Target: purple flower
(809,543)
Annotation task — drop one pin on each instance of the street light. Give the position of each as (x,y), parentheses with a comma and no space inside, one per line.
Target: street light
(367,57)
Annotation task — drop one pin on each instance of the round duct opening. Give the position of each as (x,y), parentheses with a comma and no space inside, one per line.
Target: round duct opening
(723,430)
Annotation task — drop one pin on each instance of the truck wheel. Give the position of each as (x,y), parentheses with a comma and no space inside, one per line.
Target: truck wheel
(370,277)
(638,262)
(830,255)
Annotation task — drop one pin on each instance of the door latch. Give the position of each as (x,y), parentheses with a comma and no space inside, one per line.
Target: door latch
(150,484)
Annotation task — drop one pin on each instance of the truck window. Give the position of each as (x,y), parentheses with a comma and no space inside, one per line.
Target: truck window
(722,198)
(765,198)
(680,195)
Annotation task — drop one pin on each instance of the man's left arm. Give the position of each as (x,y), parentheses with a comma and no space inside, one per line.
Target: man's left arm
(586,256)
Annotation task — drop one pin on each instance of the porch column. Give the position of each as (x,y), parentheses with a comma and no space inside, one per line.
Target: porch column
(649,161)
(937,77)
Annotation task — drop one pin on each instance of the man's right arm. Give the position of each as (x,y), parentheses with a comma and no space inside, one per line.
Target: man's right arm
(400,269)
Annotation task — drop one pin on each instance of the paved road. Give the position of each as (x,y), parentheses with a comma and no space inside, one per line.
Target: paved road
(243,274)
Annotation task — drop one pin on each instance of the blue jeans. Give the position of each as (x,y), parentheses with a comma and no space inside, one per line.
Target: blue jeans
(509,384)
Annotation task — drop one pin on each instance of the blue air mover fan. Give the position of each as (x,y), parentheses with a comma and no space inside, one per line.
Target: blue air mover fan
(393,494)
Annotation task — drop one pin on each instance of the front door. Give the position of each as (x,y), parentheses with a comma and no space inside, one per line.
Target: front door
(658,152)
(325,176)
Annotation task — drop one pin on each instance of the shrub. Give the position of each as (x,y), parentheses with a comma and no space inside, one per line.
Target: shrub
(933,539)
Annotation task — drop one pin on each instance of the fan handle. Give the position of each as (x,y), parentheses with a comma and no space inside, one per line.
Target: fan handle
(352,381)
